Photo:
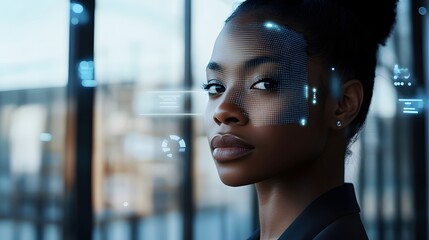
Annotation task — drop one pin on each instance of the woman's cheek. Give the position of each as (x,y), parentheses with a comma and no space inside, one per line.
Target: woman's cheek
(275,111)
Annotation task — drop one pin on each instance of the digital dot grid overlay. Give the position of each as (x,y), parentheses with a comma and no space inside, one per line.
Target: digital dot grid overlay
(274,52)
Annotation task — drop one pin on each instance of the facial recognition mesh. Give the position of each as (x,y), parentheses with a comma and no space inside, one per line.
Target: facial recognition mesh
(263,70)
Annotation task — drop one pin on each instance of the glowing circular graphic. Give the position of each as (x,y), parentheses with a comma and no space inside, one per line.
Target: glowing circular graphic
(166,145)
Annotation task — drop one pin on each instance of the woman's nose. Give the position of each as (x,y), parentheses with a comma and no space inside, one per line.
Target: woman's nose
(230,113)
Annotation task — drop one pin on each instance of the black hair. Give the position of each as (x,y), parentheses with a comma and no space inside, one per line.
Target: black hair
(346,34)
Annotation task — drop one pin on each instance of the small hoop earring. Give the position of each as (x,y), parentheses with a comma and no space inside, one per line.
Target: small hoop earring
(339,123)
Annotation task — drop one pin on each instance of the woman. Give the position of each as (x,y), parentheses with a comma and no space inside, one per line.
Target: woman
(290,84)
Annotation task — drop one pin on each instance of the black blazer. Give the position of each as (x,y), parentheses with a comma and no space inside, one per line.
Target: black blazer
(333,215)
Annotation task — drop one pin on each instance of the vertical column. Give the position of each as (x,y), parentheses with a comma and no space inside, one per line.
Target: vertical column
(419,128)
(188,200)
(80,103)
(425,26)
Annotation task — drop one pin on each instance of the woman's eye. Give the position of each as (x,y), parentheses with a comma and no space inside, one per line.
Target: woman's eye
(214,88)
(265,84)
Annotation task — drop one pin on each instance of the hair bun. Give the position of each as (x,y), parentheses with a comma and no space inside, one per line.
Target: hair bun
(378,17)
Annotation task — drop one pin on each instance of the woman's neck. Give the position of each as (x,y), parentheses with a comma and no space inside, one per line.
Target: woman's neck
(283,198)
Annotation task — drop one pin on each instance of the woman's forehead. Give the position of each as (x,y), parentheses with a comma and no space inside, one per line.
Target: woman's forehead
(262,30)
(240,41)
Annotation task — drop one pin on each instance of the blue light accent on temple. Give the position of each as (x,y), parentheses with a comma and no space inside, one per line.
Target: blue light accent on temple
(271,25)
(306,91)
(314,96)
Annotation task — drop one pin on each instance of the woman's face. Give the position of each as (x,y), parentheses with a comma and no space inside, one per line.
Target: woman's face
(265,116)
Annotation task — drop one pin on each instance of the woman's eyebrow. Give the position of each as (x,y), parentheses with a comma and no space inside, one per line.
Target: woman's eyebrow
(249,64)
(214,66)
(255,62)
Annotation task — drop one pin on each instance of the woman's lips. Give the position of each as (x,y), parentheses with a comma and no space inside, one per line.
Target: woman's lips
(228,147)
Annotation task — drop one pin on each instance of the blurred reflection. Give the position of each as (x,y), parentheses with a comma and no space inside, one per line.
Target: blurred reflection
(31,160)
(26,136)
(33,72)
(137,165)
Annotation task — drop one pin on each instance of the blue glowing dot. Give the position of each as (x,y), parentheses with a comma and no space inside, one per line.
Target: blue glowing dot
(314,90)
(409,84)
(402,83)
(303,122)
(89,83)
(422,11)
(83,64)
(314,101)
(45,137)
(333,69)
(306,91)
(77,8)
(269,25)
(86,64)
(74,21)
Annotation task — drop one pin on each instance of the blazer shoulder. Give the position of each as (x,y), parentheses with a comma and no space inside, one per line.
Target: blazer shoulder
(348,227)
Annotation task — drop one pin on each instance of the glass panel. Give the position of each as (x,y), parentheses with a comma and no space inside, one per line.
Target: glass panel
(139,116)
(33,74)
(34,48)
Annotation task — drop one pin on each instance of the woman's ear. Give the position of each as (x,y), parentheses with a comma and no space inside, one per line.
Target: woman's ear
(348,105)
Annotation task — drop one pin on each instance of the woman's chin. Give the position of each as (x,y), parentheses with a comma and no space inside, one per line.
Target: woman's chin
(234,182)
(235,179)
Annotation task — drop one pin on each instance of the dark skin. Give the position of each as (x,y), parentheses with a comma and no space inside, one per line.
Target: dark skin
(291,165)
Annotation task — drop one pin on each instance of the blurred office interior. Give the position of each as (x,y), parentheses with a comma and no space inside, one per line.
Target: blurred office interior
(101,125)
